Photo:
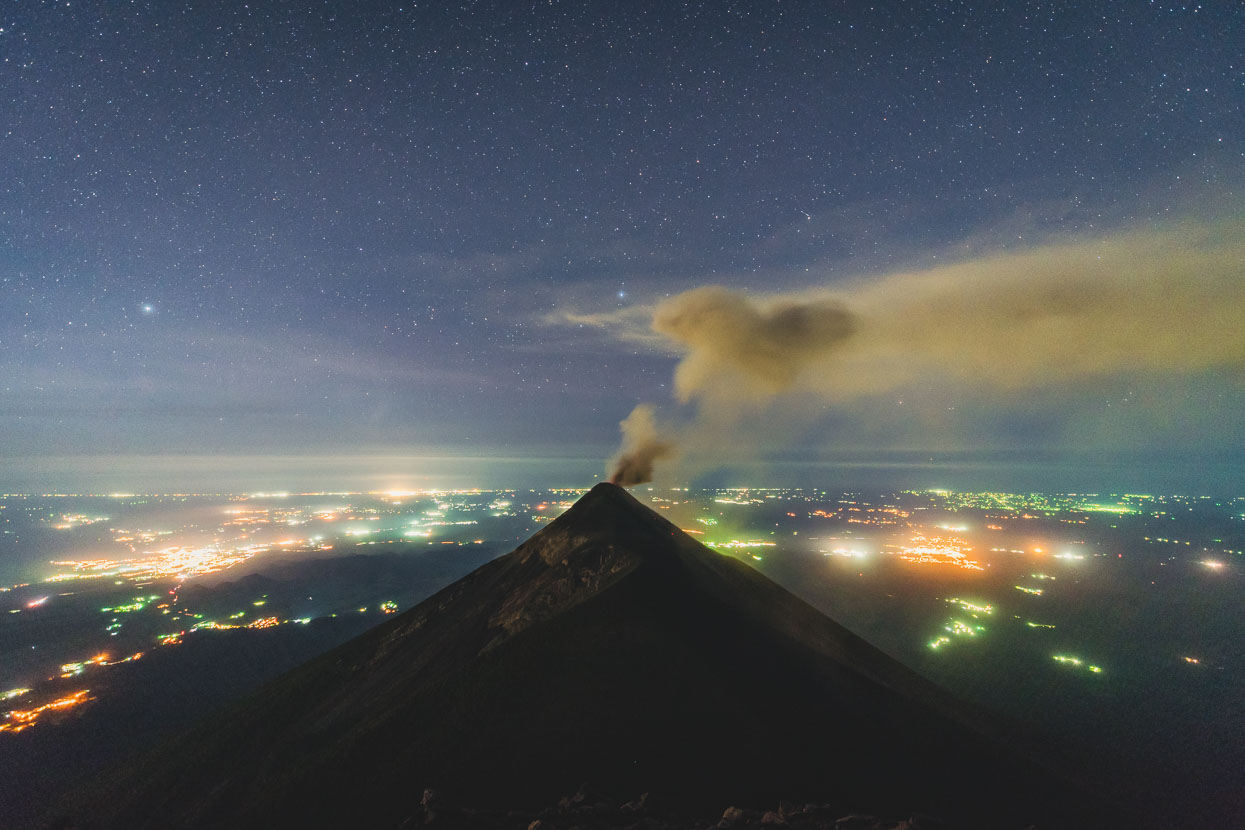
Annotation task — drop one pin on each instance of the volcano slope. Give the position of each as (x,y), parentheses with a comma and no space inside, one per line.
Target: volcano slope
(610,649)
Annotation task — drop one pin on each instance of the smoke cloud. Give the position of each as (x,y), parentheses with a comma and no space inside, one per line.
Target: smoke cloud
(768,343)
(1166,302)
(642,447)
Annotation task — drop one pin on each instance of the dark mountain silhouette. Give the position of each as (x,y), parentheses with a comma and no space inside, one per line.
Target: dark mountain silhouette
(610,649)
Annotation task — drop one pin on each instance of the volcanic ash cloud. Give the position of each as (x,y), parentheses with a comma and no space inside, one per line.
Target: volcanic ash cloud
(1150,302)
(642,447)
(765,345)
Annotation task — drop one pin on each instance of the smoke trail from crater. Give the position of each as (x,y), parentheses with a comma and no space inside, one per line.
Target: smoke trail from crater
(1155,302)
(642,447)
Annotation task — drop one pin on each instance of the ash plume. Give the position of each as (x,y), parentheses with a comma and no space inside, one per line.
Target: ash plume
(642,447)
(769,343)
(1157,302)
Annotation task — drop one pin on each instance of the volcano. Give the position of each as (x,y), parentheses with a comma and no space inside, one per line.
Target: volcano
(610,650)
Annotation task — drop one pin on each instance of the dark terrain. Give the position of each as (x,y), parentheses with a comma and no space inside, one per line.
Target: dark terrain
(610,650)
(137,704)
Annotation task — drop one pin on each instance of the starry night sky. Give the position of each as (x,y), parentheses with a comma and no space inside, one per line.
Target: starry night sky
(314,228)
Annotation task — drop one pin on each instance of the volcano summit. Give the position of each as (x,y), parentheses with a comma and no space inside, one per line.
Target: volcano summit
(613,650)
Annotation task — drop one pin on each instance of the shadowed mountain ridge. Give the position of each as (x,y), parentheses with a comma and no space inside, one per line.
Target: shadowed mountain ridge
(611,649)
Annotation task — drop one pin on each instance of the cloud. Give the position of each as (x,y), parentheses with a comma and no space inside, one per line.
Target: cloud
(1165,301)
(629,324)
(642,447)
(726,336)
(1152,302)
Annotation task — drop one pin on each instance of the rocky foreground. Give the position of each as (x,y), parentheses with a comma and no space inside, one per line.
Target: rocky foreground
(584,811)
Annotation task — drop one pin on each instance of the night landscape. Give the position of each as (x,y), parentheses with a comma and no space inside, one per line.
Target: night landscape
(571,415)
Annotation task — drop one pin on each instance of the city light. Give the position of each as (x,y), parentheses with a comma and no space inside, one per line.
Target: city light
(140,561)
(19,720)
(1076,662)
(971,607)
(75,669)
(936,550)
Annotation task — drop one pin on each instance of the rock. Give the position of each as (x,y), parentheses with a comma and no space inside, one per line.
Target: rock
(917,821)
(582,799)
(859,822)
(734,816)
(636,806)
(772,817)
